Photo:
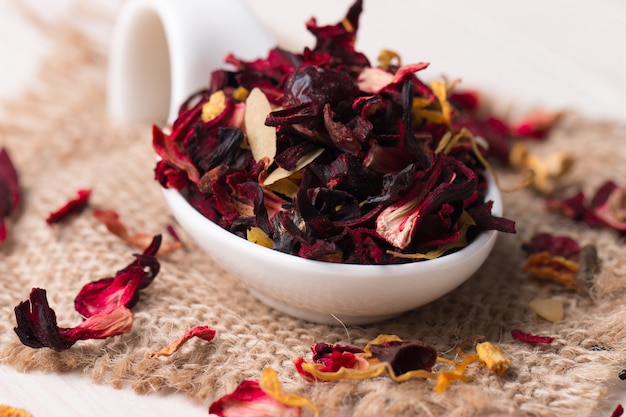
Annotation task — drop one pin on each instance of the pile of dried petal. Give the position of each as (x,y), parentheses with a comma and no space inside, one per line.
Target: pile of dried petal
(9,191)
(104,304)
(322,156)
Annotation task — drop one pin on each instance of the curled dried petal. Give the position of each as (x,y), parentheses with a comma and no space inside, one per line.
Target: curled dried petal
(531,338)
(71,208)
(9,191)
(201,332)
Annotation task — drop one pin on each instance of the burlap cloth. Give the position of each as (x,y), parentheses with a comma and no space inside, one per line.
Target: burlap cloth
(60,140)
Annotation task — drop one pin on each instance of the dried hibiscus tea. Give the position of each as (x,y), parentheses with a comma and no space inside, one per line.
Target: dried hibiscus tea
(531,338)
(618,412)
(264,397)
(9,191)
(71,208)
(141,240)
(104,304)
(322,156)
(201,332)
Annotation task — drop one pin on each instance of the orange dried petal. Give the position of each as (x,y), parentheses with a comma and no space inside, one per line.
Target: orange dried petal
(8,411)
(270,384)
(492,358)
(556,268)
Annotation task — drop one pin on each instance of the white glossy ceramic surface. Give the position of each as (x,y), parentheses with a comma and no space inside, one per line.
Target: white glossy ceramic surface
(162,51)
(326,292)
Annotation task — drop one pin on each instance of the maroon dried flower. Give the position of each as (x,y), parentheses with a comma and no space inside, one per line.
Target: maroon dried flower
(9,191)
(563,246)
(355,173)
(531,338)
(619,411)
(71,208)
(105,305)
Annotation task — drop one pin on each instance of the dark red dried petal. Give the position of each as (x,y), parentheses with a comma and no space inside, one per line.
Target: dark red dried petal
(531,338)
(249,400)
(9,190)
(71,208)
(405,356)
(619,411)
(563,246)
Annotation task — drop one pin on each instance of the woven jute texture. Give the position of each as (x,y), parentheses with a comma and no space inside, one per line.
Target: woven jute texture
(60,140)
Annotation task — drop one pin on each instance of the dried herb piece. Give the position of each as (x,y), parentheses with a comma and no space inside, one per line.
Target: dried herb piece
(550,309)
(105,304)
(9,191)
(202,332)
(492,358)
(531,338)
(140,240)
(546,171)
(261,398)
(71,208)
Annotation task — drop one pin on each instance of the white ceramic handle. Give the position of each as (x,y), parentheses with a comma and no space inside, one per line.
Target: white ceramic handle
(162,51)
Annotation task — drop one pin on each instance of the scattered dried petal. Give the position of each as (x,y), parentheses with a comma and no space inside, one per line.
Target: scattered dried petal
(562,246)
(270,384)
(258,236)
(492,358)
(71,208)
(105,305)
(202,332)
(531,338)
(622,375)
(550,309)
(9,191)
(250,400)
(613,210)
(619,411)
(537,125)
(546,170)
(140,240)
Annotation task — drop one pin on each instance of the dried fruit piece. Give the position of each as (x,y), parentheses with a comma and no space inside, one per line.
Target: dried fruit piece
(9,191)
(559,269)
(550,309)
(492,358)
(71,208)
(261,138)
(202,332)
(281,173)
(531,338)
(214,106)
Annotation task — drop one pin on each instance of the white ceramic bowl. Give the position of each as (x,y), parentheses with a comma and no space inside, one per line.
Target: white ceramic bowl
(326,292)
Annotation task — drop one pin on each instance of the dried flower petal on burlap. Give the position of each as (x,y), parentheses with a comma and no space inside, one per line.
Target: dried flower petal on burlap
(141,240)
(201,332)
(262,398)
(531,338)
(606,208)
(537,125)
(618,412)
(10,196)
(104,304)
(71,208)
(561,259)
(492,358)
(400,359)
